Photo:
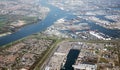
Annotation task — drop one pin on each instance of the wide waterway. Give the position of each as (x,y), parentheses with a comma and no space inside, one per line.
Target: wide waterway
(48,21)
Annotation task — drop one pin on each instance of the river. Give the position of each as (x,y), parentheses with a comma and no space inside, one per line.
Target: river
(48,21)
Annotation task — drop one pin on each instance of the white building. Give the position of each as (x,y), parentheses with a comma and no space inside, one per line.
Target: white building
(84,67)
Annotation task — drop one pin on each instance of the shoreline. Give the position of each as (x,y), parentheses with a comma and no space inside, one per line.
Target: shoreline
(5,34)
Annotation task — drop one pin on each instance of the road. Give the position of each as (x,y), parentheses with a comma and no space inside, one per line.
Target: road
(45,59)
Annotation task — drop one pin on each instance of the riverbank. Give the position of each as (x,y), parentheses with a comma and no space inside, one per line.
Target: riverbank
(57,14)
(16,14)
(4,34)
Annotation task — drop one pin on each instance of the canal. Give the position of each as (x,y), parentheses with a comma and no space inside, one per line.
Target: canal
(71,58)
